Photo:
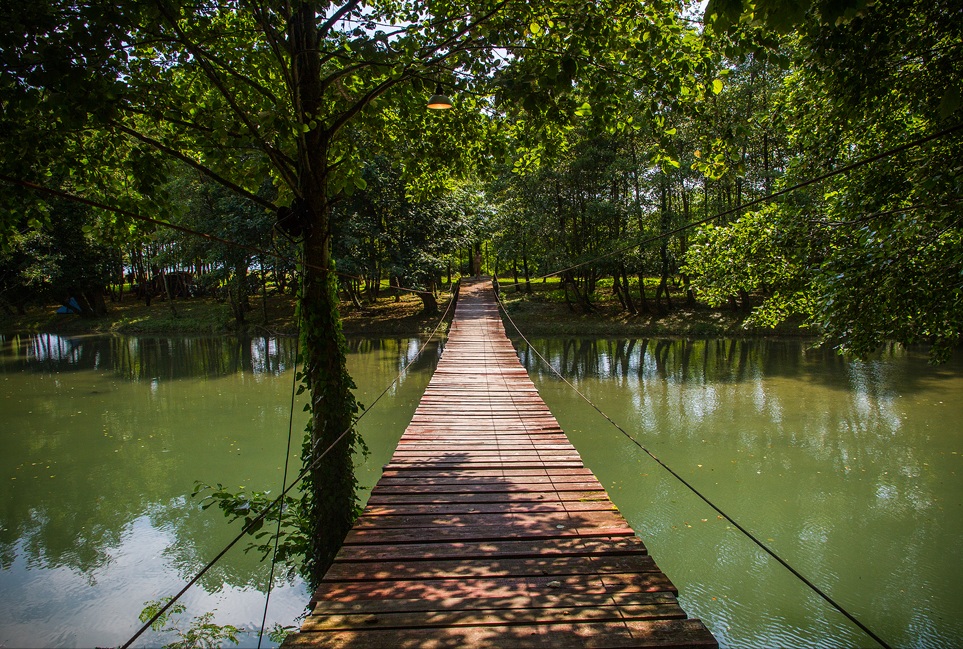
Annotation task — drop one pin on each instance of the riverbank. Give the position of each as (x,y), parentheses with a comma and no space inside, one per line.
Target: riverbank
(538,316)
(542,313)
(202,316)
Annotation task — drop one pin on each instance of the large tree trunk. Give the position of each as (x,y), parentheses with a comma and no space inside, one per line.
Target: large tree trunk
(330,486)
(581,296)
(264,292)
(167,293)
(353,291)
(617,290)
(528,283)
(663,288)
(237,292)
(628,293)
(429,303)
(91,302)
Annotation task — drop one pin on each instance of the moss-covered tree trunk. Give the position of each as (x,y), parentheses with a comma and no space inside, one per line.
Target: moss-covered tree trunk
(429,302)
(330,488)
(330,441)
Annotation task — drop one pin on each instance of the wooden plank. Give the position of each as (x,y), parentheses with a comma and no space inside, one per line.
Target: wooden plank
(478,487)
(550,600)
(375,512)
(533,531)
(386,498)
(570,474)
(506,520)
(602,610)
(600,635)
(487,530)
(433,568)
(494,586)
(494,549)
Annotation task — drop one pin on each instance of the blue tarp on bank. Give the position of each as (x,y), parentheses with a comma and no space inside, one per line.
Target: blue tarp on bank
(73,305)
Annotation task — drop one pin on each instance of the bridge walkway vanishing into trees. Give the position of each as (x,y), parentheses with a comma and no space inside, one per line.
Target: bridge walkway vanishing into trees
(486,530)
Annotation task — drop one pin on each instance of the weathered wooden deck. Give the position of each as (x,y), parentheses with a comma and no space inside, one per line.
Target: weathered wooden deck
(487,531)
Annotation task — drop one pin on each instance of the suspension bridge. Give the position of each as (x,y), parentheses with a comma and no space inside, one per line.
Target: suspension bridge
(487,530)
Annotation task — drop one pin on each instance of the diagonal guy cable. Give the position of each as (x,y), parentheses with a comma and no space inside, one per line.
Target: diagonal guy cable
(705,499)
(284,476)
(258,520)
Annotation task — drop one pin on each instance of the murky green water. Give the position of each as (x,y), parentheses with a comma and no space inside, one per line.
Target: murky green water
(103,439)
(852,471)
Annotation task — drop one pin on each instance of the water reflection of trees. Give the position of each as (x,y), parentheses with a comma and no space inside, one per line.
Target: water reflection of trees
(150,357)
(147,357)
(400,351)
(139,475)
(675,360)
(702,361)
(841,460)
(75,520)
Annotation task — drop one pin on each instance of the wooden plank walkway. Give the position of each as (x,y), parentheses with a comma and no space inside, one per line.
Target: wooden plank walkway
(487,531)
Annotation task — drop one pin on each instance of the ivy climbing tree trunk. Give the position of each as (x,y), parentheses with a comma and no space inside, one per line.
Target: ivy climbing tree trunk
(330,488)
(329,445)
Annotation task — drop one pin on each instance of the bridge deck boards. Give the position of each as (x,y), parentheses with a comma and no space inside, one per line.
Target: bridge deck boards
(486,530)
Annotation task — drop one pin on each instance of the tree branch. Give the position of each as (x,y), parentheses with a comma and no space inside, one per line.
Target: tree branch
(211,73)
(338,15)
(261,89)
(191,162)
(343,72)
(275,41)
(387,84)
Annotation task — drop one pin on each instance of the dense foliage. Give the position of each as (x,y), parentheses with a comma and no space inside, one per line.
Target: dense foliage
(875,254)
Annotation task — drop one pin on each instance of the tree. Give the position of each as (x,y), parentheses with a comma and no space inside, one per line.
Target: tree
(206,206)
(873,255)
(63,263)
(384,231)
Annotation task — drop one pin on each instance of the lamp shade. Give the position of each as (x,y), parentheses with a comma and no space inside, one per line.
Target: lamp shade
(439,100)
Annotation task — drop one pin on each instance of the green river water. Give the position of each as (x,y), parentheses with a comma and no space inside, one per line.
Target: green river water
(851,470)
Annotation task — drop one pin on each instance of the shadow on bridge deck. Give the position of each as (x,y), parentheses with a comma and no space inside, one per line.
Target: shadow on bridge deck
(486,530)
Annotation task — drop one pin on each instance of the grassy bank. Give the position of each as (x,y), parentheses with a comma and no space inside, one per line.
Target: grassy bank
(544,312)
(203,316)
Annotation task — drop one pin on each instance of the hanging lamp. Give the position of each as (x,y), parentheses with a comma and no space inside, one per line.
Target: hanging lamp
(439,100)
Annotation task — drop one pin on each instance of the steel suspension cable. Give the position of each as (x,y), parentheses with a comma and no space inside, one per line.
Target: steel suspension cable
(259,519)
(287,462)
(752,537)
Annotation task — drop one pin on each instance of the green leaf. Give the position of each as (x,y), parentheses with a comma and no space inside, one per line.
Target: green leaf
(723,13)
(950,102)
(716,86)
